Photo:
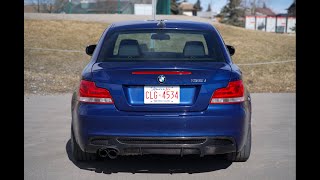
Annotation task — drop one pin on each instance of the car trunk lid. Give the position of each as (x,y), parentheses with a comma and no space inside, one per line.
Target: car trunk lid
(126,82)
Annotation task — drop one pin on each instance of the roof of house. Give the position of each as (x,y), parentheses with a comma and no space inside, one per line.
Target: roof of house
(265,11)
(282,15)
(185,6)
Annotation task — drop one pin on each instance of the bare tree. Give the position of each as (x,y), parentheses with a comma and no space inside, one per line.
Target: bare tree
(49,6)
(59,5)
(36,5)
(245,3)
(253,9)
(261,3)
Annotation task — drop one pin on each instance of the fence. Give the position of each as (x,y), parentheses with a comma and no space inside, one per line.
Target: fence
(278,24)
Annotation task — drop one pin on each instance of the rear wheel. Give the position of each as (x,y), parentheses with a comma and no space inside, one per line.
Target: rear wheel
(244,154)
(77,153)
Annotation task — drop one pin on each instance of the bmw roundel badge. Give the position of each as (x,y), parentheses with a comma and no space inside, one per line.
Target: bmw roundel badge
(161,79)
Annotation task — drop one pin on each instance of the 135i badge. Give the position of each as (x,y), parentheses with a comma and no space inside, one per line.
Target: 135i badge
(199,80)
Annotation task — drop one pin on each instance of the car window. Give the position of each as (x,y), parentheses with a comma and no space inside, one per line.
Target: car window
(160,45)
(175,44)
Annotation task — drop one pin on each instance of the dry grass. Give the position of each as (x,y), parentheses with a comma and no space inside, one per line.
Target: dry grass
(256,46)
(57,72)
(52,71)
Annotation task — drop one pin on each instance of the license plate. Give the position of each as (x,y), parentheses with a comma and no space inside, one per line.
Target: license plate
(161,94)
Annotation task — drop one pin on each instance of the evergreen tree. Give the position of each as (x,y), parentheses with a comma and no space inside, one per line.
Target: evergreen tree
(232,13)
(264,5)
(197,5)
(209,8)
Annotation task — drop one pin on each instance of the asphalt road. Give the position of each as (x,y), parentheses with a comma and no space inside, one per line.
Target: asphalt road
(47,147)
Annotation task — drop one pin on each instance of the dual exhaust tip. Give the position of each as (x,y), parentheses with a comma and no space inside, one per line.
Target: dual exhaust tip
(112,153)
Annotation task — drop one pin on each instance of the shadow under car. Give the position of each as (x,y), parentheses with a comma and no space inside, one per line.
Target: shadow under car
(153,163)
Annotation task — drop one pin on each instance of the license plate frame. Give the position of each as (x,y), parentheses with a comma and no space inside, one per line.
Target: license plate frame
(161,94)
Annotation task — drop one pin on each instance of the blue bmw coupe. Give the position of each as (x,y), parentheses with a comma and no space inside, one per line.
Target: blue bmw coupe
(161,87)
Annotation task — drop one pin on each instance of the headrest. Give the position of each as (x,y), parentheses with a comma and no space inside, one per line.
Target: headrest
(129,47)
(193,48)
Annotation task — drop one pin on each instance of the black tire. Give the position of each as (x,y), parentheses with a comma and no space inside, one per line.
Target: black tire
(77,153)
(244,154)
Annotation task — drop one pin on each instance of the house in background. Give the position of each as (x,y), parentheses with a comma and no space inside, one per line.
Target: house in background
(264,19)
(187,9)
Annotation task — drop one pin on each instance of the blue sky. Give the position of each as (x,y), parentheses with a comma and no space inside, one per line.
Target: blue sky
(278,6)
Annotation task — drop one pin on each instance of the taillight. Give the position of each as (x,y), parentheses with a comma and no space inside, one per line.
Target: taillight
(233,93)
(90,93)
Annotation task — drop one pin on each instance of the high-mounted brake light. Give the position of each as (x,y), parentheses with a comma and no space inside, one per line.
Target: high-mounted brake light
(163,72)
(90,93)
(233,93)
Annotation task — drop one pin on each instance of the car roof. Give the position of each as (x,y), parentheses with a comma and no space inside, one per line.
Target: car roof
(170,24)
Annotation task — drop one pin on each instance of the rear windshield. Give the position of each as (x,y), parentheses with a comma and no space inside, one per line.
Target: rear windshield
(163,45)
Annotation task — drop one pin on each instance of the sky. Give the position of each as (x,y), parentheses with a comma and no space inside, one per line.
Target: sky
(278,6)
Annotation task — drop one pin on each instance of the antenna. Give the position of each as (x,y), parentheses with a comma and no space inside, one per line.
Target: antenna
(154,9)
(161,24)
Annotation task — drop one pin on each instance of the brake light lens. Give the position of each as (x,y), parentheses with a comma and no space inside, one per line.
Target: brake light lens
(233,93)
(90,93)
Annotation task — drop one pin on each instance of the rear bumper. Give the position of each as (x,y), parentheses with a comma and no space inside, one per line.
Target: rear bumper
(216,122)
(163,145)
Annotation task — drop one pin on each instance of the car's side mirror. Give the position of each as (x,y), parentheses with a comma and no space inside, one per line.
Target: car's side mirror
(231,49)
(90,49)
